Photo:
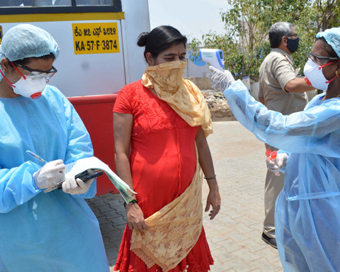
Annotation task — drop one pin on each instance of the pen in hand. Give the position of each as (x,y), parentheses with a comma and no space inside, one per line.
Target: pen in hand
(36,156)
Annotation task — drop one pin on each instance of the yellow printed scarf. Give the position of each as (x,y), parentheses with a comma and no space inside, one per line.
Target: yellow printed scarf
(182,95)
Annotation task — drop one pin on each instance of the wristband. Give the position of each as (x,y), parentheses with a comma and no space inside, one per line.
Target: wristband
(131,201)
(210,178)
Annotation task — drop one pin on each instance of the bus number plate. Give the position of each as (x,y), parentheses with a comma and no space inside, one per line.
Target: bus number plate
(95,38)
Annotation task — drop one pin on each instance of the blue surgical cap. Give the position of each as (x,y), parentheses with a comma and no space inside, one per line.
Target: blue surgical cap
(332,37)
(26,41)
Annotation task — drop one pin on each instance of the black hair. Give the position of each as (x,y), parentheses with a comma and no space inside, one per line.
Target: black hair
(277,31)
(328,48)
(159,39)
(28,60)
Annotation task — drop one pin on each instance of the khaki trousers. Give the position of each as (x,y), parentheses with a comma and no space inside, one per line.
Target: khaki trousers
(272,188)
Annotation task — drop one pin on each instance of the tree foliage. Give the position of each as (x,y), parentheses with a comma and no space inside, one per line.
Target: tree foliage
(245,41)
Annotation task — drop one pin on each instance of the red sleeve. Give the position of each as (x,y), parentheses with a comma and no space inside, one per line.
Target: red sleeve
(123,103)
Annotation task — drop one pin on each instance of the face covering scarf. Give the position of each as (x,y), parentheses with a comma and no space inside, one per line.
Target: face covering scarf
(183,96)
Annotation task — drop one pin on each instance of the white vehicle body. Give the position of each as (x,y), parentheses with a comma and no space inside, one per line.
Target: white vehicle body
(98,56)
(104,58)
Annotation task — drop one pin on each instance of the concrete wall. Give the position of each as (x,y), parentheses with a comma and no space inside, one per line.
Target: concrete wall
(203,83)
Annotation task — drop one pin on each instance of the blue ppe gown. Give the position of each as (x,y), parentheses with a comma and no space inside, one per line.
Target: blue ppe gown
(53,231)
(307,211)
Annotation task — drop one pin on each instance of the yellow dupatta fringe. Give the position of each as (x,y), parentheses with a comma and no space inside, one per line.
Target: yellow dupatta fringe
(174,230)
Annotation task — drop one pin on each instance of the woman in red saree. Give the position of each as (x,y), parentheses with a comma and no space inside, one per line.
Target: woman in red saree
(160,128)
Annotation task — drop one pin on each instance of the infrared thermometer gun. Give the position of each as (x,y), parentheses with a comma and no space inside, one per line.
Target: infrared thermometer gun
(213,56)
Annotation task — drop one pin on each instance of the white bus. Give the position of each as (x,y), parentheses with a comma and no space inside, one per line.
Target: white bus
(98,56)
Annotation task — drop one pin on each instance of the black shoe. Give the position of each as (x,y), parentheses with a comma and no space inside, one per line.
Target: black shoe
(269,241)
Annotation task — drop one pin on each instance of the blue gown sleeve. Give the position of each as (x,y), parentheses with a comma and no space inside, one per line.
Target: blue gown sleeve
(15,193)
(79,143)
(315,130)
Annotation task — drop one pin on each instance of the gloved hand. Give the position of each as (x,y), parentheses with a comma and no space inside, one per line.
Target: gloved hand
(220,81)
(278,163)
(77,187)
(50,174)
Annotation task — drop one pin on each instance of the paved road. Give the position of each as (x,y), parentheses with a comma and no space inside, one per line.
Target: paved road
(234,235)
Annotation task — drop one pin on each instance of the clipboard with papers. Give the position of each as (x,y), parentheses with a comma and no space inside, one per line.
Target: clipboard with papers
(79,169)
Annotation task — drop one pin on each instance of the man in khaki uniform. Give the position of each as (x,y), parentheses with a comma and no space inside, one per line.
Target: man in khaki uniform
(280,89)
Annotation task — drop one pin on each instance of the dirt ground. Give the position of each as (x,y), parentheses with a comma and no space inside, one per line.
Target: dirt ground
(218,106)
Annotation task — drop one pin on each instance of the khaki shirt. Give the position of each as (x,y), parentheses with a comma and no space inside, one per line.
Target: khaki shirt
(275,72)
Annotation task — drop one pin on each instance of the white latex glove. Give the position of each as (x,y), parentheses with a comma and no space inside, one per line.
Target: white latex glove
(274,165)
(220,81)
(77,187)
(50,174)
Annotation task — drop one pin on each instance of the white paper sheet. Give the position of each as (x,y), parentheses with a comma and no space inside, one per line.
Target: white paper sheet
(72,169)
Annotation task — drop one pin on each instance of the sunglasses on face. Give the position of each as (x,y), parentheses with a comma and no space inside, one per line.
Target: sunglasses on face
(321,60)
(292,35)
(35,73)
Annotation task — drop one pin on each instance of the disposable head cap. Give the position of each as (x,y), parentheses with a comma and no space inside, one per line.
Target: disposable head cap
(26,41)
(332,37)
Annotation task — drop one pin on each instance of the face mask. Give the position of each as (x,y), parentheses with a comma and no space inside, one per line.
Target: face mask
(27,86)
(315,75)
(167,76)
(30,87)
(293,45)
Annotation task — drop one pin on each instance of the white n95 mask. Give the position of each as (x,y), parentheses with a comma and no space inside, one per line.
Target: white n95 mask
(314,74)
(30,87)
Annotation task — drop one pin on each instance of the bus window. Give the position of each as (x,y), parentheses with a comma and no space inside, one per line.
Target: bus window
(46,3)
(42,3)
(62,2)
(83,2)
(12,7)
(94,2)
(32,3)
(15,3)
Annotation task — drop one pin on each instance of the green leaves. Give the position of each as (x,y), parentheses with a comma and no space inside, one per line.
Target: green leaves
(245,42)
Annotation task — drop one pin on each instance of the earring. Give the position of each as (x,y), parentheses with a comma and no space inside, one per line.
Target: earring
(336,72)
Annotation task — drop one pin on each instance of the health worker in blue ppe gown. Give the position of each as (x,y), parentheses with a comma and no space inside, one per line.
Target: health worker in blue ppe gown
(307,212)
(55,231)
